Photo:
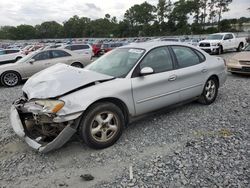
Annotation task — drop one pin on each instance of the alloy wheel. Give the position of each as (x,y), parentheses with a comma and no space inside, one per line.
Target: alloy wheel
(10,79)
(104,126)
(210,90)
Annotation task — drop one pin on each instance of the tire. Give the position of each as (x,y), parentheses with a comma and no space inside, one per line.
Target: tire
(239,49)
(210,91)
(220,50)
(77,64)
(10,79)
(102,125)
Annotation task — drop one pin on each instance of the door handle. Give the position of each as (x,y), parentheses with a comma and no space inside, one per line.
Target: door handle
(204,70)
(172,78)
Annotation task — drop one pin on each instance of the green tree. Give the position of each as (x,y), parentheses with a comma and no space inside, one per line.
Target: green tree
(49,29)
(222,6)
(25,32)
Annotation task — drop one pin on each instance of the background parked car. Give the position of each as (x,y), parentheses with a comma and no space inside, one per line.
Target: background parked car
(240,62)
(96,49)
(10,55)
(219,42)
(83,49)
(192,41)
(106,47)
(12,74)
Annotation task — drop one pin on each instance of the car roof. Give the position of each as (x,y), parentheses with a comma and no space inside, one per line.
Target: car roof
(150,45)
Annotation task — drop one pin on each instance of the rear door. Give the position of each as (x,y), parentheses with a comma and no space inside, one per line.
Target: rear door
(154,91)
(191,71)
(60,56)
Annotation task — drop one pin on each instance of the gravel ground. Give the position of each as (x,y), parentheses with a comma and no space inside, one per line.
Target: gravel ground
(189,146)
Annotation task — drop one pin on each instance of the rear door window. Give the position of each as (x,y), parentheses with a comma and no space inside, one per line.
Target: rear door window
(185,56)
(79,47)
(59,53)
(12,51)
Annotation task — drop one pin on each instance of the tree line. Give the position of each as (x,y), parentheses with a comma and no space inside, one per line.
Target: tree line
(166,18)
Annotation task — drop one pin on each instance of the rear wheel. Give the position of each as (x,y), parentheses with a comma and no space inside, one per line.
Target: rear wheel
(10,79)
(102,125)
(210,91)
(77,64)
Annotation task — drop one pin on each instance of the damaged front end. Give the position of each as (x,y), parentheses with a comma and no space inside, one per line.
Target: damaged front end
(37,123)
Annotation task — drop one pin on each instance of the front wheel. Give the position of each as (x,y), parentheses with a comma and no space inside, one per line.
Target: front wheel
(102,125)
(10,79)
(210,92)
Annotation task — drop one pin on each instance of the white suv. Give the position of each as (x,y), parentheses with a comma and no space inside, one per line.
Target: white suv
(10,55)
(84,49)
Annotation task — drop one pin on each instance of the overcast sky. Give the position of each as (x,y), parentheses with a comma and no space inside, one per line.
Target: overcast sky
(16,12)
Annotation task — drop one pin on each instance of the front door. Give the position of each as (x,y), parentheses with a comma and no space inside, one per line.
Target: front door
(37,63)
(154,91)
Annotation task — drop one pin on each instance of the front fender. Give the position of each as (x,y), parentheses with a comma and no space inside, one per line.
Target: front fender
(80,100)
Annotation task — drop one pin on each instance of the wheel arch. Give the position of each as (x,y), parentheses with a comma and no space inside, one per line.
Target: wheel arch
(117,102)
(215,77)
(77,62)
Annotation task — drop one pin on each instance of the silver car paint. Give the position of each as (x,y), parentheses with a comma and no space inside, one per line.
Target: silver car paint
(58,80)
(140,95)
(26,69)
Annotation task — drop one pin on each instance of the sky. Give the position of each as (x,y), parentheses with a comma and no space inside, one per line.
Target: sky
(32,12)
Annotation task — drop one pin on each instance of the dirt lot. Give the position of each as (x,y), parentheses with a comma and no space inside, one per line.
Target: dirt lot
(189,146)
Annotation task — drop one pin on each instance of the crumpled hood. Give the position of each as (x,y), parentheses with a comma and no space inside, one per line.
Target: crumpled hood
(242,56)
(210,41)
(58,80)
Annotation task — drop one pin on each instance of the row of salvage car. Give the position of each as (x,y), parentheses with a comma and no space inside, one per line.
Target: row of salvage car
(98,101)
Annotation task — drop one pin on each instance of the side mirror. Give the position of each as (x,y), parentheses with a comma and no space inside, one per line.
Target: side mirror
(31,61)
(146,71)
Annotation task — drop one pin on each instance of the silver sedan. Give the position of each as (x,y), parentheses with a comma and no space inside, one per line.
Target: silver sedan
(12,74)
(99,100)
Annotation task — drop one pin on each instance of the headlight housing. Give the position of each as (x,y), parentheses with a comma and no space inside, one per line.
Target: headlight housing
(50,106)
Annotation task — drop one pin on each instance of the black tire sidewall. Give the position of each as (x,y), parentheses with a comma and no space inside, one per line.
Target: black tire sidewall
(85,124)
(77,63)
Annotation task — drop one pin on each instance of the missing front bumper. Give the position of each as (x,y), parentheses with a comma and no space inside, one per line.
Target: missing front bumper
(56,143)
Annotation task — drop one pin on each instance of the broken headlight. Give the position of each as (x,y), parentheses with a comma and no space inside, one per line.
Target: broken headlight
(50,106)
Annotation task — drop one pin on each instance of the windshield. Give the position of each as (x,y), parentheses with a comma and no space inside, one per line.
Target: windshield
(215,37)
(247,48)
(118,62)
